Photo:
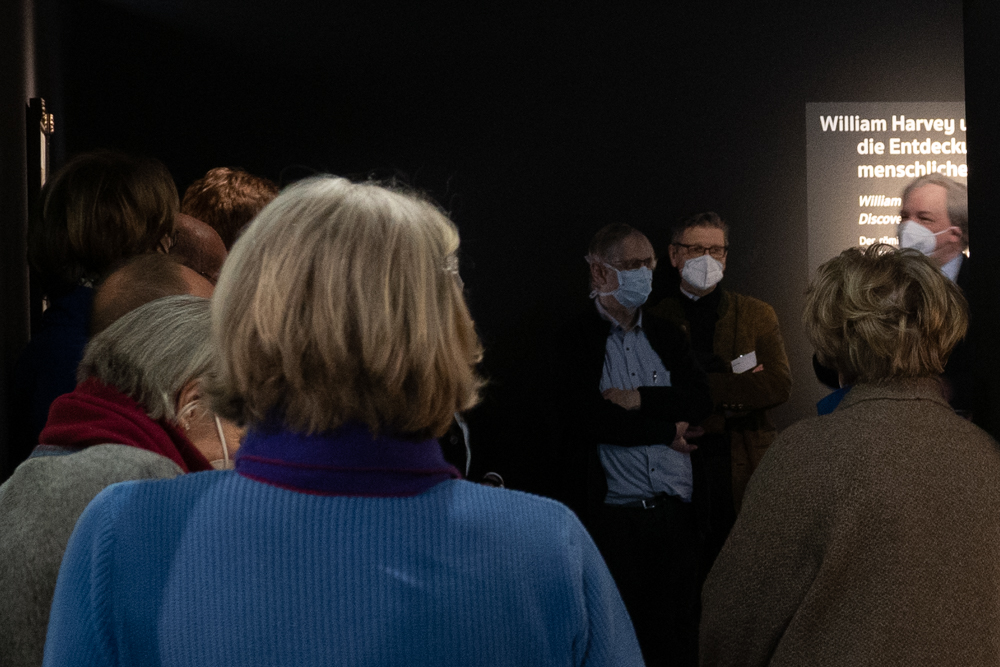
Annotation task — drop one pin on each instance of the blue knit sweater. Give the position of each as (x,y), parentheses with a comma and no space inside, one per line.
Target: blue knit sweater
(217,569)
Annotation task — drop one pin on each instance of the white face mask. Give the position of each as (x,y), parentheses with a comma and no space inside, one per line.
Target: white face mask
(914,235)
(702,272)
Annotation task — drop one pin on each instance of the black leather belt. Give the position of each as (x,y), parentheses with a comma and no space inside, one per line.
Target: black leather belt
(647,503)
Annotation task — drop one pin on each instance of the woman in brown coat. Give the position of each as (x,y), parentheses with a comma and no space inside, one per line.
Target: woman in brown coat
(870,535)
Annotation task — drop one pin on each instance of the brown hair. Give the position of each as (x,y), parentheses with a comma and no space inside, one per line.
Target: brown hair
(228,199)
(341,303)
(96,211)
(883,314)
(706,219)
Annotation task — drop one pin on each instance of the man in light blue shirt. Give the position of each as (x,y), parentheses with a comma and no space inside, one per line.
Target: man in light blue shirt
(632,389)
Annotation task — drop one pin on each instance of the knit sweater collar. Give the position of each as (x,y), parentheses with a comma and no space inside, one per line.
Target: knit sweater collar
(97,414)
(909,389)
(348,461)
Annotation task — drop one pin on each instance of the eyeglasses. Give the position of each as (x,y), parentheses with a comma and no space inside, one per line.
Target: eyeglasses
(716,251)
(633,264)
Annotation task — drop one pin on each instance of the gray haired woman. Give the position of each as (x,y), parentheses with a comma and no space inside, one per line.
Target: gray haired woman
(137,413)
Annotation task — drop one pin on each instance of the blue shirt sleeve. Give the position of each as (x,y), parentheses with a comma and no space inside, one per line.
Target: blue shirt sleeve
(81,621)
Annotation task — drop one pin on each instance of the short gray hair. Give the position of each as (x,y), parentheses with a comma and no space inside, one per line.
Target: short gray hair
(150,353)
(608,241)
(957,200)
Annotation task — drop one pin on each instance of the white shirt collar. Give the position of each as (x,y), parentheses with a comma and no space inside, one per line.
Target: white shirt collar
(952,267)
(615,323)
(693,297)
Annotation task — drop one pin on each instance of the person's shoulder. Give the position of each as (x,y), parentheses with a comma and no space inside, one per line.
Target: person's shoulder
(167,489)
(804,457)
(669,307)
(123,462)
(751,311)
(83,474)
(154,503)
(807,442)
(749,303)
(963,432)
(498,496)
(508,506)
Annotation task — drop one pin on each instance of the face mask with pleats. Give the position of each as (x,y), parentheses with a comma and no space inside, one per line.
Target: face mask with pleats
(914,235)
(702,272)
(634,286)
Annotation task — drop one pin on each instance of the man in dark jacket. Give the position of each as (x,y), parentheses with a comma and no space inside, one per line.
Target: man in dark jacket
(631,387)
(738,342)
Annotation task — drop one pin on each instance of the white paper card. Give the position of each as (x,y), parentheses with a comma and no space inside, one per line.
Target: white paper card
(745,362)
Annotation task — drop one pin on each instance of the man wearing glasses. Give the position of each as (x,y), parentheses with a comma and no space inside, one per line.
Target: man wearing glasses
(738,342)
(629,387)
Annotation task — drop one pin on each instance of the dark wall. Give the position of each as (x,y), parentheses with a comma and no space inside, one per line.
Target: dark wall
(533,126)
(17,80)
(982,71)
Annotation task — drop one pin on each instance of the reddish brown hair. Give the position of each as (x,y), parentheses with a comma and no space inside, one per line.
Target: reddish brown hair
(228,199)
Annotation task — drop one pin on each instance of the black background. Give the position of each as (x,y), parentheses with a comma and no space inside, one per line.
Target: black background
(534,126)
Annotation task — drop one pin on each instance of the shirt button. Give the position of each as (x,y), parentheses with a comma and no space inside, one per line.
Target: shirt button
(627,349)
(633,373)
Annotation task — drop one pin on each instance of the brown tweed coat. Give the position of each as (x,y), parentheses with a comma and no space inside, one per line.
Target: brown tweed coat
(741,400)
(870,536)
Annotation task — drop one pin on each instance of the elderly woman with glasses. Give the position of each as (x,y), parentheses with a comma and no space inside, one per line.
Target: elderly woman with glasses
(343,536)
(869,535)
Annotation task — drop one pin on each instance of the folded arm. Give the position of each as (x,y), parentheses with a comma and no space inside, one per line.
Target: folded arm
(764,388)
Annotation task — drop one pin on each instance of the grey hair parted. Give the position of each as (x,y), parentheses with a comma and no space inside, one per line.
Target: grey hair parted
(150,353)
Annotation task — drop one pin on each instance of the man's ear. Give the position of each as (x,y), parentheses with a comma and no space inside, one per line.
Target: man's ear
(956,233)
(675,255)
(598,273)
(189,393)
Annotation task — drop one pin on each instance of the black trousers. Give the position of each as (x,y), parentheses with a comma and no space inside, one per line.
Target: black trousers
(653,556)
(722,515)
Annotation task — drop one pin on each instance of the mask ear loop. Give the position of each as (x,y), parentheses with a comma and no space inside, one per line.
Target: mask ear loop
(222,439)
(618,275)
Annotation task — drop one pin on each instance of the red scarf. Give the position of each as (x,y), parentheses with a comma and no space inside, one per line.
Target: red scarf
(97,414)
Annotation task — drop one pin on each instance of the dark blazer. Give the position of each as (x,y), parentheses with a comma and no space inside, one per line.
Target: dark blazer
(588,419)
(959,371)
(741,400)
(46,369)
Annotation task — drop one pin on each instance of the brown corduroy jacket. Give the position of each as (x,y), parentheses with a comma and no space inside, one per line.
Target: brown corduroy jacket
(741,400)
(869,536)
